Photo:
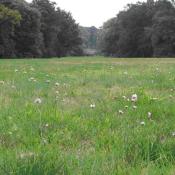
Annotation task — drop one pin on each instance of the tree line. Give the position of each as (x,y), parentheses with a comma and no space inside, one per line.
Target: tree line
(41,29)
(143,29)
(37,29)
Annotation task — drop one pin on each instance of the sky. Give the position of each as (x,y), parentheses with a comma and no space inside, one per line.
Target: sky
(92,12)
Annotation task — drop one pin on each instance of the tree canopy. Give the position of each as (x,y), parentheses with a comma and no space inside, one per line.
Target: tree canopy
(144,29)
(9,15)
(37,29)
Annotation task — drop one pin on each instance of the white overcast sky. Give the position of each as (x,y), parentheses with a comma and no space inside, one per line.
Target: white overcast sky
(92,12)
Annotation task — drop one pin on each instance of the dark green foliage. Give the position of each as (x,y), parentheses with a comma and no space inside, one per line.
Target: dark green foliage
(8,15)
(68,36)
(59,30)
(28,37)
(43,31)
(142,30)
(163,37)
(49,26)
(8,19)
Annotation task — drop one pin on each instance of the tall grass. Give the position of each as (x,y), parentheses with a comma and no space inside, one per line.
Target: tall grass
(64,135)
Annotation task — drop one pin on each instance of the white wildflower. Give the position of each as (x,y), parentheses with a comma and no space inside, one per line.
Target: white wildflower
(142,123)
(121,112)
(32,69)
(38,101)
(92,106)
(57,84)
(125,73)
(31,79)
(170,96)
(10,133)
(13,87)
(173,134)
(149,115)
(134,107)
(2,82)
(134,98)
(44,141)
(124,97)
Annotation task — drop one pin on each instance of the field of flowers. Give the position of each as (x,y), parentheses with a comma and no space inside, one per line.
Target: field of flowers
(87,116)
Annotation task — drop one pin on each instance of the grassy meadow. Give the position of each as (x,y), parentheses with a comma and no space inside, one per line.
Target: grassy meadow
(74,116)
